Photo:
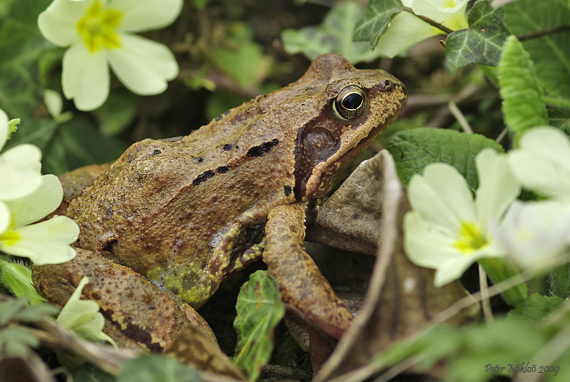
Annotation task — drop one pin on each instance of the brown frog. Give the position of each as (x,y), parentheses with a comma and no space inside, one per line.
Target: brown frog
(186,213)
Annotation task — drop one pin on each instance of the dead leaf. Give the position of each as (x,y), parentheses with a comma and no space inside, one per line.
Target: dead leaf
(401,299)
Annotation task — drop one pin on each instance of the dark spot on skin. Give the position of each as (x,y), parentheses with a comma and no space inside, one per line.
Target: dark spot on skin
(156,152)
(222,169)
(228,147)
(203,177)
(287,190)
(199,159)
(257,151)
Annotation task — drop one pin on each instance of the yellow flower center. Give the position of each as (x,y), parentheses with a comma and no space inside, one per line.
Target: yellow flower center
(470,239)
(97,27)
(9,238)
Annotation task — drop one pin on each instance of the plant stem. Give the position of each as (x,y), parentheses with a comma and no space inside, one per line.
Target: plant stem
(544,32)
(429,21)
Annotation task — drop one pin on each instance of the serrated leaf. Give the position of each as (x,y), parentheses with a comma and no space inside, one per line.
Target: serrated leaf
(551,52)
(259,310)
(334,35)
(482,42)
(523,105)
(19,279)
(157,368)
(535,308)
(376,20)
(416,148)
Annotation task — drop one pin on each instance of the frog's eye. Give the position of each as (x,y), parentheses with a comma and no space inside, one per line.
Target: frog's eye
(349,103)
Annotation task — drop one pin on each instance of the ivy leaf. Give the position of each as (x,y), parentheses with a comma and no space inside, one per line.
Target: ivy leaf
(259,310)
(482,42)
(157,368)
(414,149)
(551,52)
(332,36)
(523,105)
(376,20)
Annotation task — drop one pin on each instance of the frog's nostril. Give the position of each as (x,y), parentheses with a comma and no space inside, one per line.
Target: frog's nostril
(386,85)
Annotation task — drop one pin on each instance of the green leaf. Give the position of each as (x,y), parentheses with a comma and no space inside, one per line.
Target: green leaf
(535,308)
(376,20)
(416,148)
(157,368)
(20,47)
(88,372)
(523,105)
(259,310)
(551,52)
(334,35)
(78,143)
(18,278)
(482,42)
(559,281)
(117,112)
(243,59)
(10,308)
(16,341)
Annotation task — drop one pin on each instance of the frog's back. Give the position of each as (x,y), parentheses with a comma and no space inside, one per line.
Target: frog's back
(164,205)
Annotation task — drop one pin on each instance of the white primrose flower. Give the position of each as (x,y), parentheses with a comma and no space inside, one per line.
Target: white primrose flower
(83,317)
(535,234)
(99,34)
(406,30)
(46,242)
(542,163)
(447,230)
(19,168)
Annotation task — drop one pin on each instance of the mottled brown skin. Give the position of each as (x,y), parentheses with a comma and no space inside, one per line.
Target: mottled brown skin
(187,213)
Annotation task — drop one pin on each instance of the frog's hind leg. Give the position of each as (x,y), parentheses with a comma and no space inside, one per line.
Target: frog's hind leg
(301,283)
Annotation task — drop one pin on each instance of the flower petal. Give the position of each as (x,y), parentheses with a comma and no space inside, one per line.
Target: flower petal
(142,65)
(441,196)
(85,77)
(4,217)
(140,16)
(542,163)
(20,171)
(428,247)
(46,242)
(498,187)
(57,22)
(37,205)
(405,31)
(450,13)
(535,233)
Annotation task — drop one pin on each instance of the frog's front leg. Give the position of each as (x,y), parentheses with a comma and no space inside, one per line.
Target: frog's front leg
(301,283)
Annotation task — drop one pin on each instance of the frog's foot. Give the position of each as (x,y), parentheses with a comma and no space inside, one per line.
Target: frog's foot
(138,314)
(301,283)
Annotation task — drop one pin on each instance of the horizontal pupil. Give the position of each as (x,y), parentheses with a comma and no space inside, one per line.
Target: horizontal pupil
(352,101)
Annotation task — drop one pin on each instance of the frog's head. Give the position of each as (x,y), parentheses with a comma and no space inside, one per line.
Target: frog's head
(358,105)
